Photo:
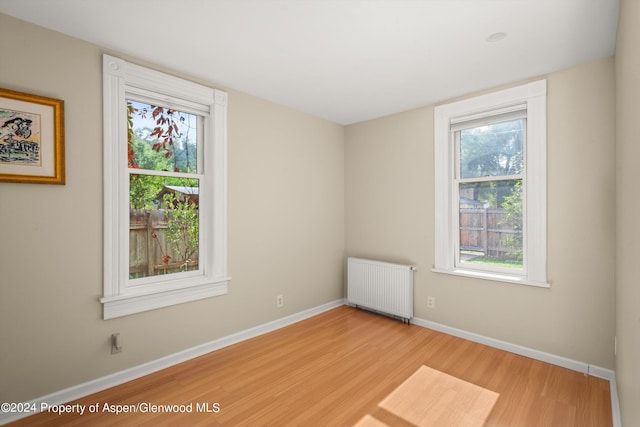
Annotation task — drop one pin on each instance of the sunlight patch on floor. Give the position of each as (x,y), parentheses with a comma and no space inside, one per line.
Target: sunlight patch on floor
(432,398)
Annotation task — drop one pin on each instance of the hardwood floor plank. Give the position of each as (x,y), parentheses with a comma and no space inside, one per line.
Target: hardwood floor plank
(335,369)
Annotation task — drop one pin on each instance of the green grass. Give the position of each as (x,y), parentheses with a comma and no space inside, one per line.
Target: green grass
(495,262)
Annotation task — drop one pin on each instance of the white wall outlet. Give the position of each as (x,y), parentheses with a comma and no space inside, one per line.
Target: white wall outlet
(116,343)
(431,302)
(280,301)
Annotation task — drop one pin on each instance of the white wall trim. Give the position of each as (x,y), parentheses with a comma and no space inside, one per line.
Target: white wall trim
(121,377)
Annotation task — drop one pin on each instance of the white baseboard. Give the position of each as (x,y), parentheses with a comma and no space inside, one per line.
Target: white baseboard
(585,368)
(574,365)
(615,403)
(121,377)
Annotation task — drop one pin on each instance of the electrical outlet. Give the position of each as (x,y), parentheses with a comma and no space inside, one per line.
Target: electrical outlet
(431,302)
(280,301)
(116,343)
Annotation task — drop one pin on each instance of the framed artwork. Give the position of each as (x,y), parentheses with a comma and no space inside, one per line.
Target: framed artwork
(31,138)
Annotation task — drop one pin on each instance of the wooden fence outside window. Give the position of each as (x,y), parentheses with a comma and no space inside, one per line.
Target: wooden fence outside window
(485,230)
(149,252)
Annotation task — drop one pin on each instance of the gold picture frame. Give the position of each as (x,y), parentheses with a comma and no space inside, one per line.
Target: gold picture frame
(31,138)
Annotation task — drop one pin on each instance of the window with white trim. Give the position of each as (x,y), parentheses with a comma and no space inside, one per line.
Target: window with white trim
(164,189)
(490,174)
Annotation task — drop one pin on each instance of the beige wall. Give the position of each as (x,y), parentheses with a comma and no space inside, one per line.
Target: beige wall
(390,215)
(627,209)
(286,229)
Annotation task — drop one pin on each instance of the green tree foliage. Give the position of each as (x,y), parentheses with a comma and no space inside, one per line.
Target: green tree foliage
(145,156)
(183,228)
(144,189)
(494,150)
(513,218)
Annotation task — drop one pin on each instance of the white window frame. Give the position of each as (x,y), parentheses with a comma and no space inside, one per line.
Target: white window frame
(534,96)
(122,80)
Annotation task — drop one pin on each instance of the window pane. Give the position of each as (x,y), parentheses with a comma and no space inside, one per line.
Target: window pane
(491,224)
(492,150)
(161,139)
(163,225)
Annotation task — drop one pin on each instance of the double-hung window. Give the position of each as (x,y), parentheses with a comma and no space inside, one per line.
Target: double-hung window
(164,189)
(490,154)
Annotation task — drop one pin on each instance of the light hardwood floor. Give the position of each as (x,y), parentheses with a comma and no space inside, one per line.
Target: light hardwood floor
(334,370)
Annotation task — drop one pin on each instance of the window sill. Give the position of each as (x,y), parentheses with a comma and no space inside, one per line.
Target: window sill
(493,276)
(123,305)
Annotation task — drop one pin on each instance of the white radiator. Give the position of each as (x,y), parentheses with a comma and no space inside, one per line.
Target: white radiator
(380,286)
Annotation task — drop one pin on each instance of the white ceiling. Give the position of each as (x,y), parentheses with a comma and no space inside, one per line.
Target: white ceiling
(342,60)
